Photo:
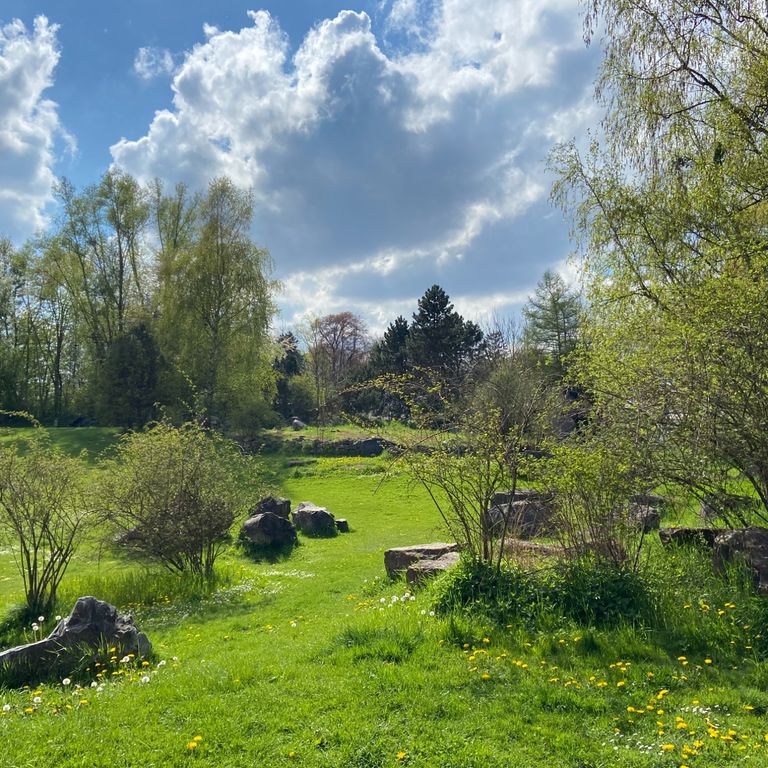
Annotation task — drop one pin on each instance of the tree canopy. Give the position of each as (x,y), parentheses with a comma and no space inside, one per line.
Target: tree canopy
(672,223)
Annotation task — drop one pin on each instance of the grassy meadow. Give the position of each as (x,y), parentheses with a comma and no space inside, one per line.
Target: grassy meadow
(317,659)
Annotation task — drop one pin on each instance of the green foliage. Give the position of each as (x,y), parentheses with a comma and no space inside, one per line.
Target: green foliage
(552,320)
(127,388)
(171,494)
(215,298)
(509,594)
(598,593)
(44,514)
(582,591)
(440,339)
(671,221)
(591,483)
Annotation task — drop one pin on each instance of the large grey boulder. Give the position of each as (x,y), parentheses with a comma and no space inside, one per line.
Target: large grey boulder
(274,505)
(686,537)
(313,520)
(422,570)
(527,513)
(92,625)
(268,530)
(746,545)
(397,559)
(649,500)
(644,518)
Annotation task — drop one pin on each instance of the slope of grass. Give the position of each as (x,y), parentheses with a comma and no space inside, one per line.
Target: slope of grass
(318,660)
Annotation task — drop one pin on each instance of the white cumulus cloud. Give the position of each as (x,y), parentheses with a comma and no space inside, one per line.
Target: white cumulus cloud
(153,62)
(29,125)
(417,149)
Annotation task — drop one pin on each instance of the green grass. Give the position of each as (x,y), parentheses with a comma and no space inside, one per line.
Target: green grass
(300,663)
(71,440)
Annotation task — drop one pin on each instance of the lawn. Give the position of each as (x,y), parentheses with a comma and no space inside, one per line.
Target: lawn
(318,660)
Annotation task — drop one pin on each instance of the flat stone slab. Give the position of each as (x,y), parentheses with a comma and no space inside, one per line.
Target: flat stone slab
(397,559)
(422,570)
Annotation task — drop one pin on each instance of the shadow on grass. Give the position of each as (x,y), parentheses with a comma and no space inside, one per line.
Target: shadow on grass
(268,554)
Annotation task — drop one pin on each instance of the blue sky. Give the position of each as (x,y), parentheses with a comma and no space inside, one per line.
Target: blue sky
(390,144)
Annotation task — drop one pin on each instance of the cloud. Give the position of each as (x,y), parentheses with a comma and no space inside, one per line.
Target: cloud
(153,62)
(29,125)
(414,150)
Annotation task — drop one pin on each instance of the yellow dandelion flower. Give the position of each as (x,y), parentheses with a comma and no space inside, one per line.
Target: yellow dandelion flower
(402,755)
(191,745)
(668,747)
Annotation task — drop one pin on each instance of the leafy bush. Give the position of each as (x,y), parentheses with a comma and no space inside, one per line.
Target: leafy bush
(171,494)
(584,591)
(502,594)
(595,592)
(44,513)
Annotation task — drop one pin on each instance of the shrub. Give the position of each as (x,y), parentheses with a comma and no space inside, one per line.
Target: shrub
(583,591)
(595,592)
(44,513)
(171,495)
(502,594)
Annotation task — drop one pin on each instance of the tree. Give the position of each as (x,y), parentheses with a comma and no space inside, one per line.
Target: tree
(441,349)
(289,364)
(389,354)
(171,494)
(128,379)
(672,217)
(99,254)
(509,416)
(215,297)
(552,319)
(337,344)
(44,511)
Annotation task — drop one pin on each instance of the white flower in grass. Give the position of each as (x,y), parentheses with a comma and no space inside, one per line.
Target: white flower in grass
(161,663)
(58,618)
(6,707)
(94,684)
(125,660)
(423,611)
(41,619)
(395,598)
(35,627)
(145,679)
(412,598)
(431,613)
(383,600)
(175,658)
(37,699)
(294,624)
(66,681)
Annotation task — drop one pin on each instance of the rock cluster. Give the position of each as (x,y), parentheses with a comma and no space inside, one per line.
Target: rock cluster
(271,523)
